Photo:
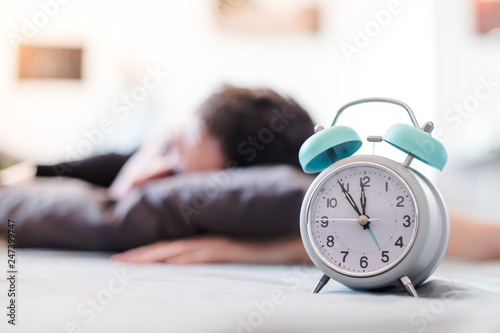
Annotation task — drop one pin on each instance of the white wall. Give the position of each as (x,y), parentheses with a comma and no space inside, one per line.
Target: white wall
(464,59)
(472,178)
(40,120)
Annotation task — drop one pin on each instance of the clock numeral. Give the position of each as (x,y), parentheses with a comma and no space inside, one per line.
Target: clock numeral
(385,256)
(407,222)
(386,186)
(331,203)
(324,221)
(345,253)
(399,242)
(363,262)
(329,241)
(400,200)
(363,181)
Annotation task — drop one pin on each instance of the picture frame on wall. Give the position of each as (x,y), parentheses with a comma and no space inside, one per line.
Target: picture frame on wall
(49,62)
(272,17)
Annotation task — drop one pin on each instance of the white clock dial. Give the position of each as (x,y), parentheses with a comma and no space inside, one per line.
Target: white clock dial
(356,239)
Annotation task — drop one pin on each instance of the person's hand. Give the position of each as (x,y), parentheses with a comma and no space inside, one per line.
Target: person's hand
(147,164)
(216,249)
(18,174)
(473,238)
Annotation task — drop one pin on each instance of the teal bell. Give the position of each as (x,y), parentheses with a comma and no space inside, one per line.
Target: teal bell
(327,146)
(418,143)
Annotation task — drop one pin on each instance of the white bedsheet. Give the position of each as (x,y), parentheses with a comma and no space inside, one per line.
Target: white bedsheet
(56,290)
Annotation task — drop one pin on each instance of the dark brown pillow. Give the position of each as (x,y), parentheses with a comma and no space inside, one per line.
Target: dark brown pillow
(258,201)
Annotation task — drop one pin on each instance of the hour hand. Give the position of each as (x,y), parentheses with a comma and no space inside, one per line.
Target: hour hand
(349,198)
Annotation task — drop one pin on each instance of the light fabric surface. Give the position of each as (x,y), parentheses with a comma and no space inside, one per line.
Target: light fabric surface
(56,288)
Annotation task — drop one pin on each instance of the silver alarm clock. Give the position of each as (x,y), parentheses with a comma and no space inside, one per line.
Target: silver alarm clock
(367,221)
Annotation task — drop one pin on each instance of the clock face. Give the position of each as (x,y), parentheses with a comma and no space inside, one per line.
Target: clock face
(362,219)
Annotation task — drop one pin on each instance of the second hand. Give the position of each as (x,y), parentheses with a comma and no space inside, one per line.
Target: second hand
(369,220)
(373,236)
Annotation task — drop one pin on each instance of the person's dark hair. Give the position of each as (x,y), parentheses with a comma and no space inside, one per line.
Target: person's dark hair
(256,126)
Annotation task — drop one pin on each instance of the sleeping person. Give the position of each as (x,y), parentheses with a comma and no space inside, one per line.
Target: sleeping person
(233,127)
(185,202)
(230,170)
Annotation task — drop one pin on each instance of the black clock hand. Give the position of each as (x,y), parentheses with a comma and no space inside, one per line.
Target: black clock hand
(363,206)
(363,199)
(349,198)
(363,219)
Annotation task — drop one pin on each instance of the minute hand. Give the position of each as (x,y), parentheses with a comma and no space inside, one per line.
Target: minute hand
(363,199)
(349,198)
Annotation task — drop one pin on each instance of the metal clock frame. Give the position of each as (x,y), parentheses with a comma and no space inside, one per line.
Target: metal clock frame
(422,257)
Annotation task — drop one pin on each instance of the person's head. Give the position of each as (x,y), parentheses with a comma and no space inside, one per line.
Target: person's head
(241,127)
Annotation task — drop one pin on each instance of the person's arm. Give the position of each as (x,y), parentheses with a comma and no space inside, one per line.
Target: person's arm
(148,163)
(99,170)
(473,238)
(218,249)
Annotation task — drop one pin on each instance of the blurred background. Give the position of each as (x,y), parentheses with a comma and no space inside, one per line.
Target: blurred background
(80,78)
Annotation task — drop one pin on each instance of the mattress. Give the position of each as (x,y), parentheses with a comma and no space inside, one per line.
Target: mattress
(60,291)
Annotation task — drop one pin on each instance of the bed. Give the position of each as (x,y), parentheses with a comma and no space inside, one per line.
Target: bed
(84,291)
(62,291)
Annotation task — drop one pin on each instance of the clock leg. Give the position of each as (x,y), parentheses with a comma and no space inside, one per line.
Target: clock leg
(406,283)
(321,283)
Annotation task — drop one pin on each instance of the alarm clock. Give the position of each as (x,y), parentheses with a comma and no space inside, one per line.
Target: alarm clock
(367,221)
